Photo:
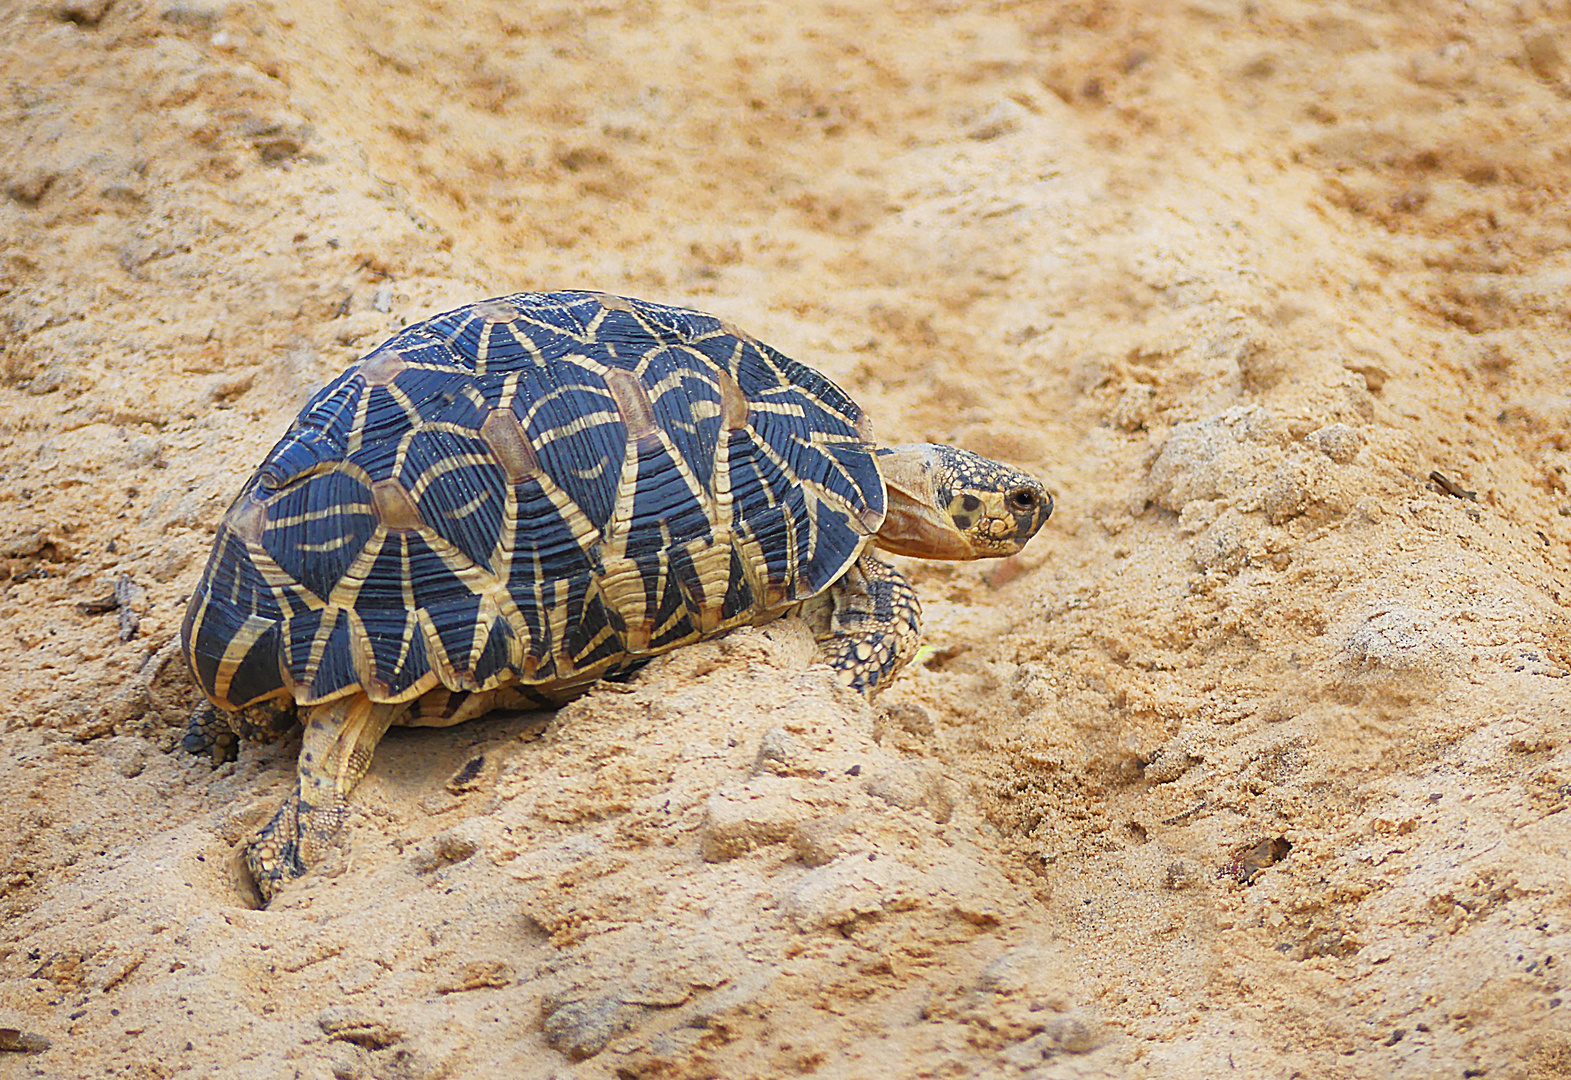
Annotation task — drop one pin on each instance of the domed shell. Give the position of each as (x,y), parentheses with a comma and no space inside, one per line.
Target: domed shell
(540,489)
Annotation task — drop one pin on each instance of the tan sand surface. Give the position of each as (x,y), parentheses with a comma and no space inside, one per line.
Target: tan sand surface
(1253,764)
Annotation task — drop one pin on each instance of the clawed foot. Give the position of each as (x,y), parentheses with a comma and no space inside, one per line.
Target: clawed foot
(218,732)
(873,628)
(208,732)
(335,752)
(297,838)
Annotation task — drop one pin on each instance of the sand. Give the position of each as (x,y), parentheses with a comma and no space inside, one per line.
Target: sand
(1254,763)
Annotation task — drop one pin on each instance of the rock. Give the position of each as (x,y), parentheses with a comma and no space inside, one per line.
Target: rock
(443,850)
(850,888)
(478,975)
(782,755)
(741,817)
(28,188)
(127,753)
(131,600)
(1225,457)
(1339,442)
(348,1061)
(1224,545)
(1171,762)
(1026,971)
(1023,1002)
(17,1041)
(33,544)
(1075,1032)
(1399,638)
(821,842)
(1179,876)
(82,12)
(911,786)
(346,1023)
(359,326)
(1001,118)
(581,1029)
(1543,54)
(1288,495)
(912,719)
(199,13)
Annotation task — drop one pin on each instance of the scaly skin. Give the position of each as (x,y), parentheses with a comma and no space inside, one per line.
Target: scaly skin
(335,753)
(873,625)
(944,503)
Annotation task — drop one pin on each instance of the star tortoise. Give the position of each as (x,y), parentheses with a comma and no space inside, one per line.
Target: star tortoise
(504,503)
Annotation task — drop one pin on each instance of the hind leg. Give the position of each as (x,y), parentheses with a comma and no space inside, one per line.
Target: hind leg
(217,732)
(209,732)
(335,753)
(873,627)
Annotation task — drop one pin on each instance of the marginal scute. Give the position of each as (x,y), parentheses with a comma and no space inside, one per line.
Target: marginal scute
(504,436)
(381,367)
(774,595)
(632,401)
(727,327)
(394,508)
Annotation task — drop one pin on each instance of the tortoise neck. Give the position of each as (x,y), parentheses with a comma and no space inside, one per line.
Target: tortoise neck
(917,522)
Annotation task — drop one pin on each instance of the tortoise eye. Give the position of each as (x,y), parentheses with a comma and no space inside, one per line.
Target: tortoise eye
(1023,500)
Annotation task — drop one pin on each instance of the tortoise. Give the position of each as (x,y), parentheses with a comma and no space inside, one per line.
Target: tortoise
(507,502)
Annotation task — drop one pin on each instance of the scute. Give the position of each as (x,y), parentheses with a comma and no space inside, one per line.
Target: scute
(335,674)
(689,409)
(317,528)
(665,509)
(458,489)
(301,453)
(455,617)
(496,658)
(257,676)
(667,478)
(398,652)
(579,438)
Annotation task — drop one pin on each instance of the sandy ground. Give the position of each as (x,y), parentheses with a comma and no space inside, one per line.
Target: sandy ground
(1253,764)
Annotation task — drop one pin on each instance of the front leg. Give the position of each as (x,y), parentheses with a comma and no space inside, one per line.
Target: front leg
(873,627)
(335,753)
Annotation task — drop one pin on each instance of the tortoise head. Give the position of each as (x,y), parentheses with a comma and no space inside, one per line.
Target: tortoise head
(948,503)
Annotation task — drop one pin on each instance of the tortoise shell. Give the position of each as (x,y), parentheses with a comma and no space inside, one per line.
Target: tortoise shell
(537,489)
